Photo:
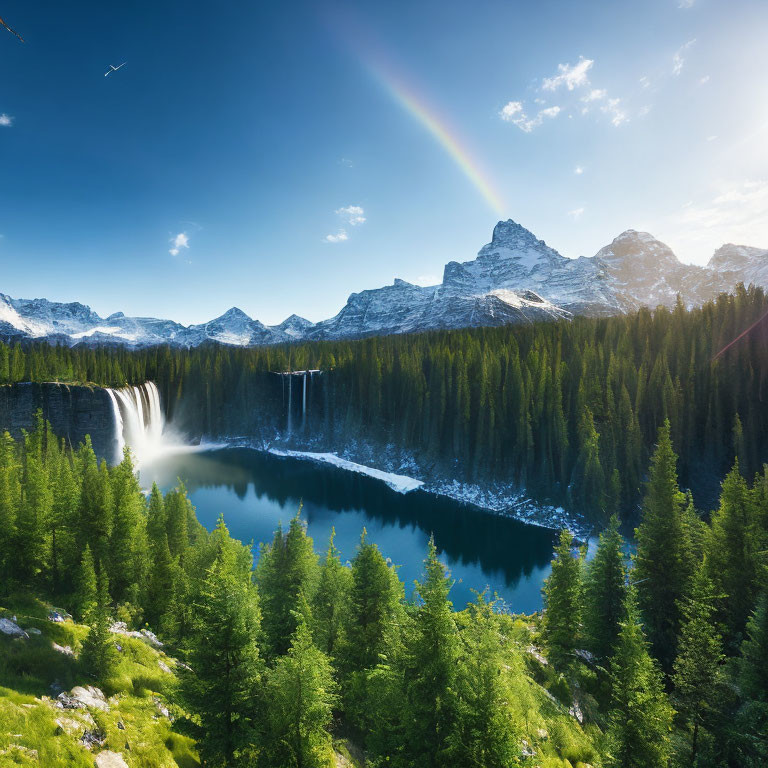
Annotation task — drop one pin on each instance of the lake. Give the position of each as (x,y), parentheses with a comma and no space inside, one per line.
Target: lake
(254,491)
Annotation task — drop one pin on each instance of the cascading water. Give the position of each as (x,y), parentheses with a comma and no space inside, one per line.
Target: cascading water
(306,397)
(140,424)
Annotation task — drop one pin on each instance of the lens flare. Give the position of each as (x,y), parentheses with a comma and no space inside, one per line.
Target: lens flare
(741,335)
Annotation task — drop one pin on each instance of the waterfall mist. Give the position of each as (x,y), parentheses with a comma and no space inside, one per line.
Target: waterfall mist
(140,424)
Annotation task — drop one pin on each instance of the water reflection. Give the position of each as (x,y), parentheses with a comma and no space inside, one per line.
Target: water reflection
(254,491)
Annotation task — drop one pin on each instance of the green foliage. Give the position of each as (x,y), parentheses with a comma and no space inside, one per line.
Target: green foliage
(563,605)
(490,689)
(331,601)
(374,604)
(286,569)
(218,690)
(86,596)
(753,665)
(604,593)
(697,677)
(641,716)
(98,655)
(301,692)
(731,554)
(661,573)
(430,668)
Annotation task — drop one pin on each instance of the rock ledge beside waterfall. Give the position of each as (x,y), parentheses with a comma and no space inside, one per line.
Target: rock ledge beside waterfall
(73,411)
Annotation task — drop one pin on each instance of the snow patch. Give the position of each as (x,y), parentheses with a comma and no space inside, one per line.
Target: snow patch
(399,483)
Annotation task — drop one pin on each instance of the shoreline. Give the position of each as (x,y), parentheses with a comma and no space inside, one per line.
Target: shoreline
(495,499)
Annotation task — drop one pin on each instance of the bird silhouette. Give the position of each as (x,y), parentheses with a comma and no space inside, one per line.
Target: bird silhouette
(12,31)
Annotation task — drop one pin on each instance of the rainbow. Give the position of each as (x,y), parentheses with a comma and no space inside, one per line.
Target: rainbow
(356,38)
(417,107)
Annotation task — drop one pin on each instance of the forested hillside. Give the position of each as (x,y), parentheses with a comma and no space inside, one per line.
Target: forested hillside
(308,661)
(569,410)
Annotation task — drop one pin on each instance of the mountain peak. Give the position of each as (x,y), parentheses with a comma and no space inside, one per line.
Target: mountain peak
(234,313)
(509,231)
(731,256)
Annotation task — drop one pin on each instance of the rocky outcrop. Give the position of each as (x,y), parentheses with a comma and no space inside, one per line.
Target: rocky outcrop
(73,412)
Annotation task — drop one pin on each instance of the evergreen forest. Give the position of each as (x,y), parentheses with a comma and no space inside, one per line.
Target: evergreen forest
(653,661)
(567,410)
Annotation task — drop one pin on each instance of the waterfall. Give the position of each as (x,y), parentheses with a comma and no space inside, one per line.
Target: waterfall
(290,404)
(140,423)
(119,439)
(307,378)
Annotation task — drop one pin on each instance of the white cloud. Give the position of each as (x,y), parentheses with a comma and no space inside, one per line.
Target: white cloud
(339,237)
(510,110)
(354,214)
(596,94)
(644,82)
(685,3)
(523,122)
(571,76)
(736,213)
(615,111)
(711,138)
(178,242)
(6,120)
(578,170)
(576,213)
(643,111)
(704,80)
(678,60)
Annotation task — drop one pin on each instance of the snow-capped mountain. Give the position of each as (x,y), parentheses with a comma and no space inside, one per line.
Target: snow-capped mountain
(514,278)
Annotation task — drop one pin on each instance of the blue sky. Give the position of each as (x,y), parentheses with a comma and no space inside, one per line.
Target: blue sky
(279,156)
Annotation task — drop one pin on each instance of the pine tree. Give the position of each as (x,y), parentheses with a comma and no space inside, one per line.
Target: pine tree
(33,513)
(605,592)
(62,520)
(176,521)
(588,479)
(86,587)
(128,561)
(221,690)
(563,605)
(285,570)
(331,601)
(10,492)
(431,668)
(156,530)
(98,656)
(160,592)
(641,716)
(753,665)
(489,679)
(731,556)
(660,563)
(96,504)
(697,666)
(301,693)
(374,604)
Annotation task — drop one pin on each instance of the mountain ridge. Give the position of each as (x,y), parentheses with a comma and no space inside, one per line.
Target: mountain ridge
(516,277)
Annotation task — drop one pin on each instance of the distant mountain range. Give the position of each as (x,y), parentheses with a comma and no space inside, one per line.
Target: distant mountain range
(514,278)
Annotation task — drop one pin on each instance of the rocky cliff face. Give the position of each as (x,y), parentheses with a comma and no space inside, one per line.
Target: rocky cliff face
(73,412)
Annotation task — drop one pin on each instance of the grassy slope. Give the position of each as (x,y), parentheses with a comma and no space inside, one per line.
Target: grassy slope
(28,715)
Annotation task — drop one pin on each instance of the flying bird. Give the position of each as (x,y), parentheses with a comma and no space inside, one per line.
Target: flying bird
(114,69)
(12,31)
